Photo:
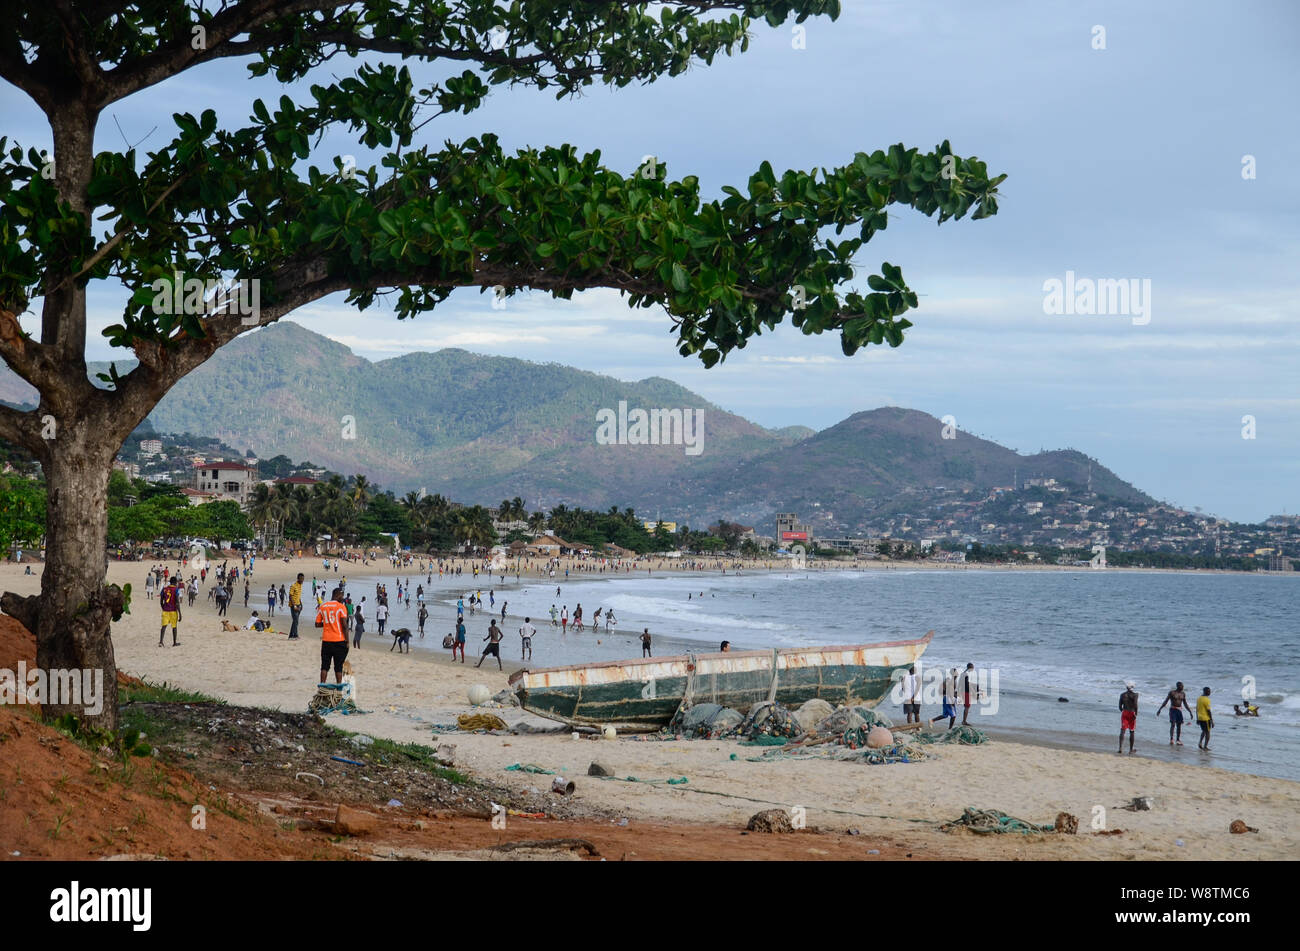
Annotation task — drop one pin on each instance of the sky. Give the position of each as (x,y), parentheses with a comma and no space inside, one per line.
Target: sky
(1169,156)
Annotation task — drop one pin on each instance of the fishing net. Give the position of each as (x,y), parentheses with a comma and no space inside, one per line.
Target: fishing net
(769,718)
(990,821)
(705,720)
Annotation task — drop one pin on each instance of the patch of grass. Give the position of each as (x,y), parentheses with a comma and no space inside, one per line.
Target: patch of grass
(57,829)
(391,753)
(224,806)
(148,692)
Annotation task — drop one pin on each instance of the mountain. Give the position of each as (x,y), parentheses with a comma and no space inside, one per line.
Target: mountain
(480,428)
(873,463)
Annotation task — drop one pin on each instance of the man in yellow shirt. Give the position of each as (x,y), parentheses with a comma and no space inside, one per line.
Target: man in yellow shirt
(1204,718)
(295,606)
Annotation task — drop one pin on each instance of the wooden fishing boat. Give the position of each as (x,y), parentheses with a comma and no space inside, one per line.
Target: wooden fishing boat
(641,696)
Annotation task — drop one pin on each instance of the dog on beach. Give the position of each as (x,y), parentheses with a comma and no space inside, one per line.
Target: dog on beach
(401,638)
(227,626)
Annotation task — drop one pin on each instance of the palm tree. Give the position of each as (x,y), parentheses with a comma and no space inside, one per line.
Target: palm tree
(261,507)
(473,526)
(362,491)
(536,523)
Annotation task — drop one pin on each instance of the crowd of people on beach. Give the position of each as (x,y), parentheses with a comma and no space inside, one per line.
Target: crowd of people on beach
(344,620)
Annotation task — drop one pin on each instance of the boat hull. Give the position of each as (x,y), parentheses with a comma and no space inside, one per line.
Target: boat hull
(642,695)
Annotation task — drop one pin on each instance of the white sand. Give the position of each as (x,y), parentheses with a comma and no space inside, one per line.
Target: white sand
(409,693)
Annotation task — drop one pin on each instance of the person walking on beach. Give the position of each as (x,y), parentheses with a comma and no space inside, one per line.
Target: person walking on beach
(247,592)
(969,683)
(421,616)
(949,700)
(330,618)
(564,620)
(295,606)
(270,601)
(1177,697)
(359,622)
(460,641)
(381,615)
(645,643)
(493,638)
(1204,719)
(1128,711)
(554,617)
(222,597)
(526,633)
(169,600)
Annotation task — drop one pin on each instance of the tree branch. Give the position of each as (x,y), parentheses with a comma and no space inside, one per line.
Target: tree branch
(28,358)
(237,19)
(20,427)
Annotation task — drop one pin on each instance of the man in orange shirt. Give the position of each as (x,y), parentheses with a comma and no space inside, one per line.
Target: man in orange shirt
(330,618)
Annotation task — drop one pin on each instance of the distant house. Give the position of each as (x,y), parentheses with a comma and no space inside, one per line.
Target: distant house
(198,497)
(151,447)
(228,480)
(549,545)
(296,480)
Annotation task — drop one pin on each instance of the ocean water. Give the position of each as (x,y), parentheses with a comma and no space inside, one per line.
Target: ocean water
(1037,637)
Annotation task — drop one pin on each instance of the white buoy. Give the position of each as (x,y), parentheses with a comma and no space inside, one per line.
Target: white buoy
(479,694)
(610,733)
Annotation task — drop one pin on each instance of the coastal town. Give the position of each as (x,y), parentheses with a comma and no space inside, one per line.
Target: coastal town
(1032,520)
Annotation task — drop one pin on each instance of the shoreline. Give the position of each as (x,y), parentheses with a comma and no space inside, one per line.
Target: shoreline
(429,650)
(418,700)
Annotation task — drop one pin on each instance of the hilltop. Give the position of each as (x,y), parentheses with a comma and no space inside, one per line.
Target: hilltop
(481,428)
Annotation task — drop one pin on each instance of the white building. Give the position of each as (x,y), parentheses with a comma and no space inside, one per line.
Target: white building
(226,480)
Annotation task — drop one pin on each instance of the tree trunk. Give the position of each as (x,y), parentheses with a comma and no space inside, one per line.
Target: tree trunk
(72,614)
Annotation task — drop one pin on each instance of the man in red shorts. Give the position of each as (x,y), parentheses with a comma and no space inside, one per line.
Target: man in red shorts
(1128,715)
(330,618)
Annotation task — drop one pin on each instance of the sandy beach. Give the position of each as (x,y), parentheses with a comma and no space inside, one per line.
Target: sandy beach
(416,697)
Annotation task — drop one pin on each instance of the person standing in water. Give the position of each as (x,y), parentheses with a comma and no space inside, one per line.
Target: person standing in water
(645,642)
(1204,719)
(526,633)
(1178,698)
(1128,711)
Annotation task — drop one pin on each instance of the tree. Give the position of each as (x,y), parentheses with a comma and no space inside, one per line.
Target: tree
(215,205)
(22,512)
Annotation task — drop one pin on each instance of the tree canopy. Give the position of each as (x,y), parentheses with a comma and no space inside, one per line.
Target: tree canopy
(218,230)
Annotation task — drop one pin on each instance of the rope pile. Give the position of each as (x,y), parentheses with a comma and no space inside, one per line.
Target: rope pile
(329,700)
(480,721)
